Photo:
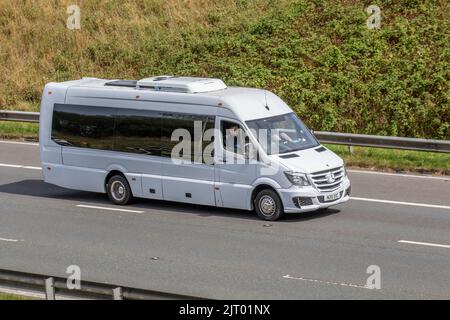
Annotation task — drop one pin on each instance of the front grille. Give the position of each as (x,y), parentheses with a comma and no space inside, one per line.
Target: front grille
(322,198)
(302,201)
(328,180)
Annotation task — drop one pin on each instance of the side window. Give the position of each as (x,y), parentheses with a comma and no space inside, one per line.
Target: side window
(138,131)
(83,126)
(129,130)
(233,137)
(194,126)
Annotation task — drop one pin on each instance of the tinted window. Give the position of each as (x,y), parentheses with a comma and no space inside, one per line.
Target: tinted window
(138,131)
(128,130)
(184,126)
(83,126)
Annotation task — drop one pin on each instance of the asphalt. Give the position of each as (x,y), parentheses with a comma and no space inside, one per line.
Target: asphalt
(231,254)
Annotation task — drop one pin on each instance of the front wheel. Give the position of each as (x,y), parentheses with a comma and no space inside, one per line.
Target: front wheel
(119,191)
(268,205)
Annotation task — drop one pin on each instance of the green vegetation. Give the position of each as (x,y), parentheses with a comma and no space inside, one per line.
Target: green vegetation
(394,160)
(317,55)
(15,130)
(4,296)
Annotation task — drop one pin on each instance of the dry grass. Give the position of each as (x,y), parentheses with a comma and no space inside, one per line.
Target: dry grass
(36,47)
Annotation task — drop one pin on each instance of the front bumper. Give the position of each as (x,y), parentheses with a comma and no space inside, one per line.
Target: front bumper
(315,199)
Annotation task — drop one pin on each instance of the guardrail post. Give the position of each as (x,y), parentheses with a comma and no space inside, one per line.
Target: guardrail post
(50,289)
(117,294)
(350,149)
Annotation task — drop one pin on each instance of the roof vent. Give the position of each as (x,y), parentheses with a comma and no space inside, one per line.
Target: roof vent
(181,84)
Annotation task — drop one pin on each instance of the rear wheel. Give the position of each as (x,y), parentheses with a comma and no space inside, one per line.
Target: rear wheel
(119,191)
(268,205)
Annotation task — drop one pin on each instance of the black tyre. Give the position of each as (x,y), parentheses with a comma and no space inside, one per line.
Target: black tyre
(119,191)
(268,205)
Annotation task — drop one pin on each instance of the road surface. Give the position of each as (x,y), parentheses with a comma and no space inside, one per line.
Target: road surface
(400,223)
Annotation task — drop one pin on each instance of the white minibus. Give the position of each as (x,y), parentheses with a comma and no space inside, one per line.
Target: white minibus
(186,139)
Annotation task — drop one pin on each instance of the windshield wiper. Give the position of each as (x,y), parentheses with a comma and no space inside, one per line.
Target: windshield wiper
(298,149)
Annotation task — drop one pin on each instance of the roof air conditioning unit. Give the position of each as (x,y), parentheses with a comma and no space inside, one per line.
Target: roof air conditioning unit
(181,84)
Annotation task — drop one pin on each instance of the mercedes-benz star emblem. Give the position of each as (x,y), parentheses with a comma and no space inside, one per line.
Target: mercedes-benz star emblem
(330,177)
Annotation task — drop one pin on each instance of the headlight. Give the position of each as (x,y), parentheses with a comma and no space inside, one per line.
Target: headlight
(298,179)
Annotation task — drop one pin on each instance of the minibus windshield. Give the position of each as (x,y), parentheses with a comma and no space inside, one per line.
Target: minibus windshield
(282,134)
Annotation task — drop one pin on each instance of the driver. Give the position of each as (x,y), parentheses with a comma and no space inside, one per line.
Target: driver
(233,139)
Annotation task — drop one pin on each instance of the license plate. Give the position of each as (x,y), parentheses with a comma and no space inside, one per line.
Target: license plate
(331,197)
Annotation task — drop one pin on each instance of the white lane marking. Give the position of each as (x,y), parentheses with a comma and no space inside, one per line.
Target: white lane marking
(414,204)
(343,284)
(107,208)
(21,143)
(7,165)
(425,244)
(10,165)
(32,168)
(399,174)
(8,240)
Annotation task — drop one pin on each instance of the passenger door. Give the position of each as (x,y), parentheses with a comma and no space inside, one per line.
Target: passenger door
(234,172)
(186,177)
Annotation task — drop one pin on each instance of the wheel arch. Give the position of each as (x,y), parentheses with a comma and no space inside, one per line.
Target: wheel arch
(258,189)
(112,170)
(110,175)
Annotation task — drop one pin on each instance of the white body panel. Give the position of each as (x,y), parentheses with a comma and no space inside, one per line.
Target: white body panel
(233,180)
(154,177)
